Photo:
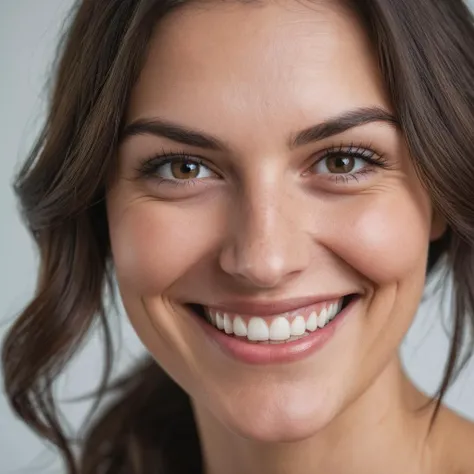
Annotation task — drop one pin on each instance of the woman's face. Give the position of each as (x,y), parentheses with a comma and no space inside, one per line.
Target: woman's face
(252,211)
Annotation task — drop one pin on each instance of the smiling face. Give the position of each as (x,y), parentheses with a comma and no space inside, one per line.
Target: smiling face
(286,181)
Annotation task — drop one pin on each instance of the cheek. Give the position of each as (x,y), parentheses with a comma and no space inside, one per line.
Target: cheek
(385,237)
(153,244)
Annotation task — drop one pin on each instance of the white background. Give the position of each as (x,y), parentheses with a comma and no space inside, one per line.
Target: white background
(28,35)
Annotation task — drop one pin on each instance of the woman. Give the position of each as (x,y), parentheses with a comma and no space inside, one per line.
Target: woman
(270,184)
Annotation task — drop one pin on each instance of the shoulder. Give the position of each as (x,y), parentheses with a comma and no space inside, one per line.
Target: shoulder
(455,443)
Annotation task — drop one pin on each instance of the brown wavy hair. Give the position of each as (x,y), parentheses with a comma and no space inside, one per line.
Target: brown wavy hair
(425,50)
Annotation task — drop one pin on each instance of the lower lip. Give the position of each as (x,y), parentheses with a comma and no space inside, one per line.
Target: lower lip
(264,354)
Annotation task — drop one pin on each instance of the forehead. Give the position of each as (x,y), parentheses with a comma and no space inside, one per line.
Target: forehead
(258,63)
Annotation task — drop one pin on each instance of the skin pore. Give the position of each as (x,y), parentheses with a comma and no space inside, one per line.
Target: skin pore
(266,217)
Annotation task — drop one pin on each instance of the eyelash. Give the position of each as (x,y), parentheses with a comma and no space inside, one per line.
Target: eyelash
(149,166)
(359,151)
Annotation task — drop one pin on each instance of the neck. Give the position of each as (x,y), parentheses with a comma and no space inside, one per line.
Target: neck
(381,431)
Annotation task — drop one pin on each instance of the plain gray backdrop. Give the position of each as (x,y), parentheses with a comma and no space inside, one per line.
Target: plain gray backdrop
(28,34)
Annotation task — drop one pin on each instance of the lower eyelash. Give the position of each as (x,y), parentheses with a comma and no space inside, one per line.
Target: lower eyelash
(148,167)
(176,183)
(349,177)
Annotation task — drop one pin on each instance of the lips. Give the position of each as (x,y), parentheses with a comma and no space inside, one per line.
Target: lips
(265,352)
(275,328)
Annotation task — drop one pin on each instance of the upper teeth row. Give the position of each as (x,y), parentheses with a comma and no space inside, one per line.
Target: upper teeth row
(280,328)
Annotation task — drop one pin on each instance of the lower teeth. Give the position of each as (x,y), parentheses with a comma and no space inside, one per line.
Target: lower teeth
(291,339)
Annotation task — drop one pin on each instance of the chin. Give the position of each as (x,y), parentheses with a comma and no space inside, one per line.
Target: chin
(282,430)
(275,424)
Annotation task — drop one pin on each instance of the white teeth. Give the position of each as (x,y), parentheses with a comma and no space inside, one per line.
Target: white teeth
(227,324)
(219,321)
(240,329)
(280,329)
(258,330)
(323,318)
(312,323)
(295,338)
(298,326)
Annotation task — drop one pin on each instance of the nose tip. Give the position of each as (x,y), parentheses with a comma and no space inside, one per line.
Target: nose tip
(264,262)
(265,244)
(260,270)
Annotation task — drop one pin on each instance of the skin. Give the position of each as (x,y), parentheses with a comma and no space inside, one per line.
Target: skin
(257,225)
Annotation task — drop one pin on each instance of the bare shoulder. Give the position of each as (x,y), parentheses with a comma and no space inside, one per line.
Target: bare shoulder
(456,443)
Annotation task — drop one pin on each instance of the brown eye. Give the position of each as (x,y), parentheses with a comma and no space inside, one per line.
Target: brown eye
(182,169)
(340,164)
(185,169)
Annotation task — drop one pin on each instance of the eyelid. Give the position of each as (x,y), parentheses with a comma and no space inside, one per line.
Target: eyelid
(360,151)
(364,151)
(148,166)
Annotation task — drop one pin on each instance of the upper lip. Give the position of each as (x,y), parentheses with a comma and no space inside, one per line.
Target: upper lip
(269,308)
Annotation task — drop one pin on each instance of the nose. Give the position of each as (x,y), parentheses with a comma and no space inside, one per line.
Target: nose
(265,247)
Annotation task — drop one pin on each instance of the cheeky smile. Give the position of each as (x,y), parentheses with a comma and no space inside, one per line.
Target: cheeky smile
(277,337)
(280,328)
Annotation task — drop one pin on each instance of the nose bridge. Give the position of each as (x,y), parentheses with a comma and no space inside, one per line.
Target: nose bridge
(265,245)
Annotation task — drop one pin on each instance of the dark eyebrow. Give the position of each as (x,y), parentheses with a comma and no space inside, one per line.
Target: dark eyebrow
(174,132)
(195,138)
(342,123)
